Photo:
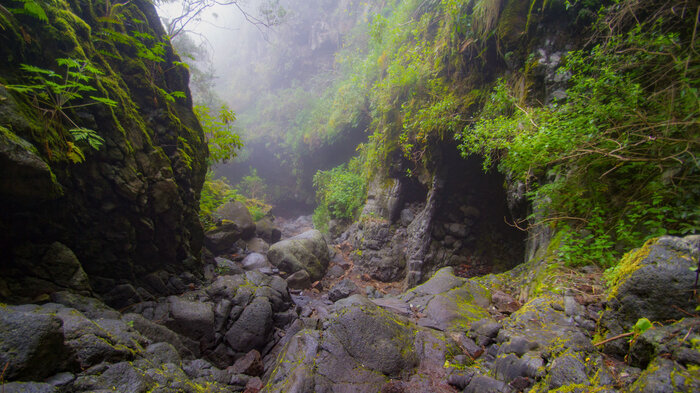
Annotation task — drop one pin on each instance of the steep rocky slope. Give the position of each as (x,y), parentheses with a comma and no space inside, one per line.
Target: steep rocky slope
(129,208)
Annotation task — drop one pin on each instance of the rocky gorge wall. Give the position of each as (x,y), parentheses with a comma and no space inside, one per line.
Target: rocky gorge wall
(130,208)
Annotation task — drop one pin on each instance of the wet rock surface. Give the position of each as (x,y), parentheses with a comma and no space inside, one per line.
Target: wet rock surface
(307,251)
(249,328)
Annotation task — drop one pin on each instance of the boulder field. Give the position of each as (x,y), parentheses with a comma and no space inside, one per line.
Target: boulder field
(540,327)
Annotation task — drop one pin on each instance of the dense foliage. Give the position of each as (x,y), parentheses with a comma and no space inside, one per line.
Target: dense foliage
(340,192)
(611,162)
(217,192)
(618,156)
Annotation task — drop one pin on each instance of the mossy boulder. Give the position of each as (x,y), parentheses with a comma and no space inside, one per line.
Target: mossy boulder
(653,282)
(448,302)
(307,251)
(667,376)
(358,349)
(237,213)
(31,344)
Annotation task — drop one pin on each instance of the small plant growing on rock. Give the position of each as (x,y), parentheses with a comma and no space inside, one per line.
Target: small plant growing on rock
(55,96)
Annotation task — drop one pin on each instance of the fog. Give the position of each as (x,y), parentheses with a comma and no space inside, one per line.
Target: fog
(271,61)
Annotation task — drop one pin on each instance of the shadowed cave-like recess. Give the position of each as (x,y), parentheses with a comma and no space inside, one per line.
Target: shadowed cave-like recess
(473,226)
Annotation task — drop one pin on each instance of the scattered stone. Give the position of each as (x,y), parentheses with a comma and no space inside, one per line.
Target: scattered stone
(504,302)
(226,266)
(266,230)
(342,290)
(335,271)
(258,245)
(484,384)
(122,296)
(565,370)
(250,364)
(299,280)
(223,237)
(251,329)
(61,379)
(163,352)
(460,378)
(254,385)
(406,217)
(191,319)
(255,261)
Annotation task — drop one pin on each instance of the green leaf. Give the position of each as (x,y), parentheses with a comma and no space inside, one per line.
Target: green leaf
(642,326)
(23,89)
(182,64)
(36,70)
(105,101)
(34,9)
(70,63)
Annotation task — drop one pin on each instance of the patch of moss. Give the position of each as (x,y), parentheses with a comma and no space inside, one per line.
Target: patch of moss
(629,263)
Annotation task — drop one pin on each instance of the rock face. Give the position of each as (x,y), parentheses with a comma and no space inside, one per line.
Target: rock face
(130,208)
(411,228)
(308,252)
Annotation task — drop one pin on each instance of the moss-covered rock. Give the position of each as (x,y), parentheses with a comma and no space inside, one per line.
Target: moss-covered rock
(31,344)
(131,207)
(307,251)
(653,282)
(358,348)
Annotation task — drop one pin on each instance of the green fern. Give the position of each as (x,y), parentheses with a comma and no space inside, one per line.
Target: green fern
(55,95)
(31,8)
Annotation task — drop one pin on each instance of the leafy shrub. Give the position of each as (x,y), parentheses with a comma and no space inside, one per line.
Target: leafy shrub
(617,159)
(253,186)
(217,192)
(340,192)
(222,140)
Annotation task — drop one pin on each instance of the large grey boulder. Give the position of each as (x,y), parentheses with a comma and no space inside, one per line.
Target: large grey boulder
(267,230)
(373,337)
(449,302)
(237,213)
(307,251)
(653,282)
(192,319)
(31,344)
(223,237)
(253,326)
(361,348)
